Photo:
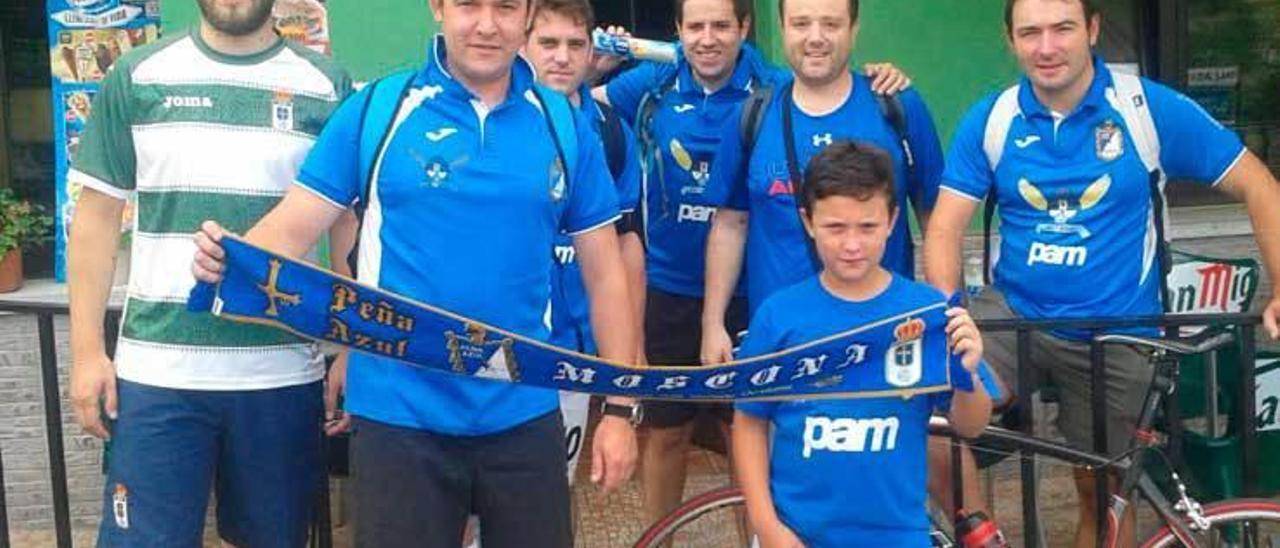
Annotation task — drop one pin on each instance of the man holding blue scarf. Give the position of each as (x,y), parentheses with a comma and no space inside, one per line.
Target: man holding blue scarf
(461,210)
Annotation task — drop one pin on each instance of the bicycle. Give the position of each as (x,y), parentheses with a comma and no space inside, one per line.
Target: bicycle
(1229,523)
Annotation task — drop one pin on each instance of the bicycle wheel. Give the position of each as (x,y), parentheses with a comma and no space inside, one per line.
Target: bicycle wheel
(717,519)
(714,519)
(1247,523)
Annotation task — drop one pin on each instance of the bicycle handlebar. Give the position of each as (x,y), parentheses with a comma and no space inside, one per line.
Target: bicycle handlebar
(1176,346)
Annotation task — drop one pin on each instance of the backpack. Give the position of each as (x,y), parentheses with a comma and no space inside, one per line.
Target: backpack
(383,111)
(1127,97)
(613,138)
(752,120)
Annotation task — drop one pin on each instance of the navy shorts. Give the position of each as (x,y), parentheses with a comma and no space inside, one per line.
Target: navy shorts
(416,489)
(258,449)
(673,336)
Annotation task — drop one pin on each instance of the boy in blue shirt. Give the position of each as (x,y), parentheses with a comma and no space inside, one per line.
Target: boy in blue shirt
(848,472)
(678,110)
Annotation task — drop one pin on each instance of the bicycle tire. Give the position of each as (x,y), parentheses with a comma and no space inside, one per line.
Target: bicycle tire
(665,529)
(727,497)
(1227,513)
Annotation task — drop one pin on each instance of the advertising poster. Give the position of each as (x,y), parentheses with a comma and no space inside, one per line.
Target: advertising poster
(85,39)
(303,21)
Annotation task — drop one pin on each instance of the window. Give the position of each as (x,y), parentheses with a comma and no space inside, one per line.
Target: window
(1225,54)
(654,19)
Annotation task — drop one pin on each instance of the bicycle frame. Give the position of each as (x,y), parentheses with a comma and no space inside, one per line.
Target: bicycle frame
(1023,328)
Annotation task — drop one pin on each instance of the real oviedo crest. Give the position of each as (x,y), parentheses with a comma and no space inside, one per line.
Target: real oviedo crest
(903,363)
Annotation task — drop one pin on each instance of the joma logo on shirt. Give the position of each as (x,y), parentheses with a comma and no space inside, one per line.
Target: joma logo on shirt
(186,101)
(849,435)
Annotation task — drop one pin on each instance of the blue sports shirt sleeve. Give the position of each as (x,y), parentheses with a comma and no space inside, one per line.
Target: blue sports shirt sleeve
(967,171)
(926,150)
(629,183)
(331,169)
(593,202)
(762,338)
(727,186)
(1193,145)
(627,89)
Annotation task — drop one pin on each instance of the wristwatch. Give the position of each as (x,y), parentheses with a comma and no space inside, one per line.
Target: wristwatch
(634,413)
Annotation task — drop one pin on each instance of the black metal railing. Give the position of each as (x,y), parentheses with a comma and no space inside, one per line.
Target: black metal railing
(1245,420)
(1246,423)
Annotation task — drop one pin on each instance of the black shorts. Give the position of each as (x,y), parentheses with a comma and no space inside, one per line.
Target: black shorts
(415,488)
(673,336)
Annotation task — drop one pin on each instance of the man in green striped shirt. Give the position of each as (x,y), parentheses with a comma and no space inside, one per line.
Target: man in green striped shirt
(208,123)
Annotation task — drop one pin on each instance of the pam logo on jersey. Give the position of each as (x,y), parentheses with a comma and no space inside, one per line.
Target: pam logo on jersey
(565,254)
(695,213)
(1057,255)
(849,435)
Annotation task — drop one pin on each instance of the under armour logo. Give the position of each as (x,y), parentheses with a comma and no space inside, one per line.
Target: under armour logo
(822,139)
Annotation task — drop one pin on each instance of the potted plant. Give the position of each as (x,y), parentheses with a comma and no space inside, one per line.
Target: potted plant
(21,223)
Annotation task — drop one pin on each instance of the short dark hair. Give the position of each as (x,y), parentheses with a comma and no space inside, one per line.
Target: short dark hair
(853,10)
(741,10)
(855,169)
(1090,10)
(578,10)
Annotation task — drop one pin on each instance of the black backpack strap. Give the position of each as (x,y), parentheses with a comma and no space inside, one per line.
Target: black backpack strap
(894,113)
(1164,257)
(793,168)
(988,214)
(753,118)
(648,109)
(615,141)
(362,203)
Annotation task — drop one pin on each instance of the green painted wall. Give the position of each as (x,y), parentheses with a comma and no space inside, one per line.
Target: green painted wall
(954,50)
(370,37)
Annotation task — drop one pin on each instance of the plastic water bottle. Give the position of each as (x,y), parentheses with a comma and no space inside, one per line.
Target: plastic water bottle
(973,278)
(633,48)
(975,530)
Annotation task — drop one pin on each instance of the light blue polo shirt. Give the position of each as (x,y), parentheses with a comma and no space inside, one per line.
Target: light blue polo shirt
(1074,198)
(570,308)
(466,204)
(686,132)
(777,249)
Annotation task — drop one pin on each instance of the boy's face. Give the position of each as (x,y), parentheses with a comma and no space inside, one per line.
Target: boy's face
(560,50)
(850,234)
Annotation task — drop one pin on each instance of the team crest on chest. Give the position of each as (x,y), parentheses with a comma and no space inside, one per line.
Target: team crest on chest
(282,111)
(1108,141)
(555,178)
(903,364)
(699,170)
